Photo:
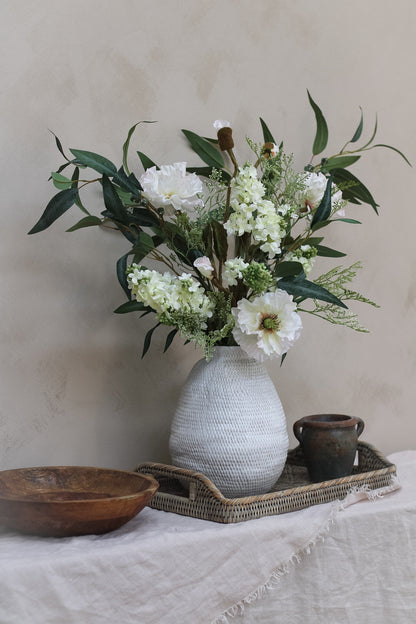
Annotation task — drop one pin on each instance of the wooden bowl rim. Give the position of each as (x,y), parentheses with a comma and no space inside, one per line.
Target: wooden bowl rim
(152,486)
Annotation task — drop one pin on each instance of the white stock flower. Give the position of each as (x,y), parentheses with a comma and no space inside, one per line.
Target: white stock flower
(268,228)
(241,219)
(246,193)
(152,288)
(204,266)
(305,255)
(233,269)
(192,298)
(246,187)
(166,293)
(267,326)
(171,185)
(221,123)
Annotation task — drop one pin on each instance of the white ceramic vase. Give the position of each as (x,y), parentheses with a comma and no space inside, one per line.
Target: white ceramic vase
(230,425)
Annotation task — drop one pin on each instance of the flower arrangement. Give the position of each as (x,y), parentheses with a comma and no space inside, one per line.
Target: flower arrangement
(239,240)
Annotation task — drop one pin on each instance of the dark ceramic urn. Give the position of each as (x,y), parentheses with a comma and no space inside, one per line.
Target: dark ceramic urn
(329,444)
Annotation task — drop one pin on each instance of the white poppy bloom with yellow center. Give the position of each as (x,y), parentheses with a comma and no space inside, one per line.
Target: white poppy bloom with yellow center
(267,326)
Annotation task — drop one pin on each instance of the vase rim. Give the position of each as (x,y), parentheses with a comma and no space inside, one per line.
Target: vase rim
(332,421)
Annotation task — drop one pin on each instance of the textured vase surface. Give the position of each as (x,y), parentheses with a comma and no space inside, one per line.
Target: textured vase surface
(230,425)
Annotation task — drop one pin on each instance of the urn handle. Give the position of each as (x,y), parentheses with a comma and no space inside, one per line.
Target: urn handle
(298,429)
(360,426)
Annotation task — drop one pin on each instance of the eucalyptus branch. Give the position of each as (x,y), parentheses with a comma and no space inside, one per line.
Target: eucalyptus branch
(160,257)
(86,182)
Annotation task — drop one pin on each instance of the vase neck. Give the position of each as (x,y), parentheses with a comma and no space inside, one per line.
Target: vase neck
(231,354)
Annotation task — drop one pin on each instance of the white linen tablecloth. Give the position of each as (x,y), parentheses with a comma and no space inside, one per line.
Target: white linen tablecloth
(162,568)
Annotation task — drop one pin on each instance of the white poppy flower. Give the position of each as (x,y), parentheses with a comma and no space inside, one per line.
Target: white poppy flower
(316,184)
(267,326)
(204,266)
(171,185)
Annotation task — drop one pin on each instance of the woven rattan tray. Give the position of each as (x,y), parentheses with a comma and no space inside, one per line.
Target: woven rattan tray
(192,494)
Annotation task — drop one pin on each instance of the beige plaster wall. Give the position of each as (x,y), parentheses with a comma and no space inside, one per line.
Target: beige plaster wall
(73,386)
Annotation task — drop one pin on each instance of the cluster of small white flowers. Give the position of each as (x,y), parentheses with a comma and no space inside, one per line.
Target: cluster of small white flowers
(303,256)
(166,293)
(253,214)
(233,269)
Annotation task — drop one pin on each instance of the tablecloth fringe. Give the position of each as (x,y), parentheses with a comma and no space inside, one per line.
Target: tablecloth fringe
(354,496)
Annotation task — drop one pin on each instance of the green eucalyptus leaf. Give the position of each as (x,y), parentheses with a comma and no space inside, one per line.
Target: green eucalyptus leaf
(219,240)
(207,239)
(142,246)
(121,272)
(359,130)
(75,177)
(345,220)
(321,136)
(148,339)
(288,268)
(88,221)
(314,240)
(324,209)
(95,161)
(142,217)
(213,141)
(322,224)
(327,252)
(75,182)
(112,201)
(158,240)
(339,162)
(59,146)
(57,206)
(395,150)
(61,182)
(308,290)
(126,197)
(127,143)
(205,150)
(132,306)
(169,339)
(267,135)
(147,163)
(372,136)
(62,167)
(128,182)
(201,171)
(355,189)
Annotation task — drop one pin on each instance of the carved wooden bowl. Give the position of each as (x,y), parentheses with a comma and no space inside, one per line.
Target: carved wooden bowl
(71,500)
